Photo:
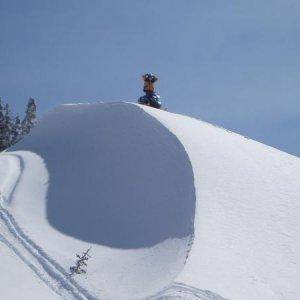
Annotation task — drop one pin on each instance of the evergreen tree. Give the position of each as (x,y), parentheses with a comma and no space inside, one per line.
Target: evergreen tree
(8,125)
(81,263)
(16,133)
(2,127)
(12,129)
(30,117)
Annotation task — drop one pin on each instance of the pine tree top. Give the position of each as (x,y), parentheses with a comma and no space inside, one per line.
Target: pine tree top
(31,102)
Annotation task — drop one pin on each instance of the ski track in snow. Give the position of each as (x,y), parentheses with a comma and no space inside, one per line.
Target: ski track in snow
(48,270)
(182,291)
(54,275)
(59,281)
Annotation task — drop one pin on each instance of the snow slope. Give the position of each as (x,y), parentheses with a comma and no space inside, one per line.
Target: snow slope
(174,208)
(108,176)
(247,227)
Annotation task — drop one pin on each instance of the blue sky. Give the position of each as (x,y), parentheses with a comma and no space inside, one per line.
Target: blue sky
(232,63)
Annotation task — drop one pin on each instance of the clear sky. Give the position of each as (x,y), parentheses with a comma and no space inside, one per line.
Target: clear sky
(232,63)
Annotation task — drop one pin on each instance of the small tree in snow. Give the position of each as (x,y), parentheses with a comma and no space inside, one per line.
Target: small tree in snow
(81,263)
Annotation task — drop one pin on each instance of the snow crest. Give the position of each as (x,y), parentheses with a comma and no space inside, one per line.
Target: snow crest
(172,208)
(108,176)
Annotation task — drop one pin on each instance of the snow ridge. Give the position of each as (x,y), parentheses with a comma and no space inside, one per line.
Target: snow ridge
(48,270)
(30,166)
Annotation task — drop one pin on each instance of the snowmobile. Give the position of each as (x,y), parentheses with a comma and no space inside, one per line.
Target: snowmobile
(150,98)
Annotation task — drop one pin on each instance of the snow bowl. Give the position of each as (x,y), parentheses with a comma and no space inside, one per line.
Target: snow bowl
(113,177)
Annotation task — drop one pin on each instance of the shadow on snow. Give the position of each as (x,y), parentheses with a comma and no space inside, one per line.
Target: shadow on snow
(118,177)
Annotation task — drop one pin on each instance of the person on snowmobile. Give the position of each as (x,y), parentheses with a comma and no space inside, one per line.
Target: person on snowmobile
(151,98)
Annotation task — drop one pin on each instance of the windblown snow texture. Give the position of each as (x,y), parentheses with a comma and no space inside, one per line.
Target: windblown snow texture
(117,176)
(247,229)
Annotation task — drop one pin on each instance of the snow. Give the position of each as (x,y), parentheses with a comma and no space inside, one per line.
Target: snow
(247,229)
(108,176)
(173,208)
(16,278)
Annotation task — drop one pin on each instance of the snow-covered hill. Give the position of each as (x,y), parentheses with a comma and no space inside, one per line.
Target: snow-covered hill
(173,208)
